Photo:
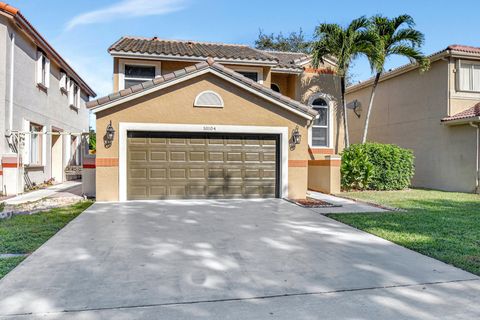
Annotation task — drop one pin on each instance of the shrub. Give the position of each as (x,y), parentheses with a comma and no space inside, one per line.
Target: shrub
(376,166)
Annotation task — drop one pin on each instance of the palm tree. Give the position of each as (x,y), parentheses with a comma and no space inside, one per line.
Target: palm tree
(343,44)
(393,37)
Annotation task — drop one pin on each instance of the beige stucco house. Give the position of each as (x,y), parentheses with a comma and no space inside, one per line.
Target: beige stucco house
(435,113)
(210,120)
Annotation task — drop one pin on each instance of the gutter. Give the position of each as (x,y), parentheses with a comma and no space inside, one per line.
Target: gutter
(477,165)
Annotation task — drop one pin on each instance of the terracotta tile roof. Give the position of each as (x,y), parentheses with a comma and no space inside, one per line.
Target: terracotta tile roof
(40,41)
(288,59)
(468,49)
(193,49)
(469,113)
(210,63)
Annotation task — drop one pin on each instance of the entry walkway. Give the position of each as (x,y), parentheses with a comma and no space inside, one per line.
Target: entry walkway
(344,205)
(73,187)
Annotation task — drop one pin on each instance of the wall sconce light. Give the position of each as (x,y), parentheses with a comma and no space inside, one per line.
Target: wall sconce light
(296,136)
(109,135)
(295,139)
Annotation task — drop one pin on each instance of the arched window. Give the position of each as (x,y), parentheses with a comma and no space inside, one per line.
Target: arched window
(321,125)
(275,87)
(208,99)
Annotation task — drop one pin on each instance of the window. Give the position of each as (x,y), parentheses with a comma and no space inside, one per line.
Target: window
(250,75)
(73,151)
(320,127)
(63,82)
(74,95)
(275,87)
(469,77)
(36,144)
(43,70)
(208,99)
(135,74)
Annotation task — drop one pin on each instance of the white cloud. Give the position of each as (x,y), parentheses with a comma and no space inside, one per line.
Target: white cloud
(126,9)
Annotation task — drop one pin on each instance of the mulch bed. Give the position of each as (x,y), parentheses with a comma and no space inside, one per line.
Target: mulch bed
(312,203)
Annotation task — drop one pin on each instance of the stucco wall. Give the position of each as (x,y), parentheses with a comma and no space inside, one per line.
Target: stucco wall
(49,108)
(407,112)
(175,105)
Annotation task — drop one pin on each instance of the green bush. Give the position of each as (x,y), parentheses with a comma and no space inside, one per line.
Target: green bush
(376,166)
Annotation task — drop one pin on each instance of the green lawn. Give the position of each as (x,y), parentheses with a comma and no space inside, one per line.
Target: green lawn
(25,233)
(443,225)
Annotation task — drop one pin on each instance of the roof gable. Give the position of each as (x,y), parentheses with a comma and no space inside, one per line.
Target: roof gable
(193,71)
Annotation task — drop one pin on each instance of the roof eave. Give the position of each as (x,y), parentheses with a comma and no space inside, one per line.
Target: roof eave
(303,113)
(457,122)
(40,41)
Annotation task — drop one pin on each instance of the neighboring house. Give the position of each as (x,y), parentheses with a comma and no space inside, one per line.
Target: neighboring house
(436,114)
(42,100)
(188,127)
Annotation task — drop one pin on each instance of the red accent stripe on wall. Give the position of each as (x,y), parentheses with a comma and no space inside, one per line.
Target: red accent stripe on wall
(89,166)
(325,163)
(106,162)
(298,163)
(10,165)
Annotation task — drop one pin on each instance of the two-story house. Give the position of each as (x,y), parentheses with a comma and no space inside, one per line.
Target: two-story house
(192,119)
(42,107)
(436,114)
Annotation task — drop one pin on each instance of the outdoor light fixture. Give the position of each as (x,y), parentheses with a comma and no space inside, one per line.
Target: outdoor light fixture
(109,135)
(296,136)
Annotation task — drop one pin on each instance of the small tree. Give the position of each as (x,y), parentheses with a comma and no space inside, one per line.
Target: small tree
(92,140)
(392,37)
(344,44)
(294,42)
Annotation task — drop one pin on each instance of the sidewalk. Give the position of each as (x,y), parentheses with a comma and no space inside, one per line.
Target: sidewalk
(347,206)
(72,187)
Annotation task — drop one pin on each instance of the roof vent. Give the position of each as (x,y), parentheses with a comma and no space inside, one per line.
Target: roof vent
(208,99)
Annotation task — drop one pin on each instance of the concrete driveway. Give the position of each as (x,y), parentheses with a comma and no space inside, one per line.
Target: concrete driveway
(232,259)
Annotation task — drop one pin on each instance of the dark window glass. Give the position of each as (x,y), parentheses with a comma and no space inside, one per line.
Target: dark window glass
(274,87)
(250,75)
(144,72)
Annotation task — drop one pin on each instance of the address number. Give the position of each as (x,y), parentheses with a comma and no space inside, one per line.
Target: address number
(209,128)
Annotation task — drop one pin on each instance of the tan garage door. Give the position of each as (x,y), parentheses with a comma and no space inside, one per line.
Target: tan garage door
(183,166)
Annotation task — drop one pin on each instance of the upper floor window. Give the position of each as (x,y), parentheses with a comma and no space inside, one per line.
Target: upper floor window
(321,125)
(275,87)
(135,74)
(63,81)
(74,95)
(43,70)
(469,76)
(250,75)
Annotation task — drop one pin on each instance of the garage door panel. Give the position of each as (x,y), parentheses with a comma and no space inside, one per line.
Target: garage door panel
(166,166)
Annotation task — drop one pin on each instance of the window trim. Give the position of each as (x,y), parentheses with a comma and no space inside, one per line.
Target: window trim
(42,70)
(41,151)
(258,70)
(196,104)
(136,62)
(74,102)
(329,100)
(459,71)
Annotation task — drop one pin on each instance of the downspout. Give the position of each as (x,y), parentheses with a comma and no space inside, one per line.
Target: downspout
(10,91)
(477,165)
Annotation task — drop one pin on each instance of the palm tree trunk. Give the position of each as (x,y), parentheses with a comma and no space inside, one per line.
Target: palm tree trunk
(345,115)
(370,105)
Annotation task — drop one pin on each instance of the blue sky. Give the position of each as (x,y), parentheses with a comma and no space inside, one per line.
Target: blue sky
(82,30)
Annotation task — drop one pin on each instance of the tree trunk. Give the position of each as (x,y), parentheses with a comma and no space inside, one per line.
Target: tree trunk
(370,105)
(345,115)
